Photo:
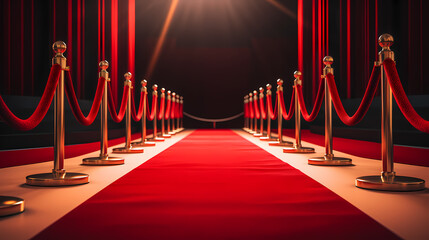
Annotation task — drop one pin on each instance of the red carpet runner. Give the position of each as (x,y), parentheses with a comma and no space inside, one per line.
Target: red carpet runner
(215,185)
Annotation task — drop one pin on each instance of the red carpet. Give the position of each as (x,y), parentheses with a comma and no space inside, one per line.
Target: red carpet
(215,185)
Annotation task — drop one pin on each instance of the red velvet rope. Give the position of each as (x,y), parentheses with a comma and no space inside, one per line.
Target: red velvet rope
(178,109)
(41,109)
(252,114)
(401,98)
(137,116)
(287,115)
(161,108)
(366,100)
(257,113)
(246,111)
(262,107)
(112,107)
(317,104)
(151,112)
(74,104)
(173,110)
(168,109)
(271,113)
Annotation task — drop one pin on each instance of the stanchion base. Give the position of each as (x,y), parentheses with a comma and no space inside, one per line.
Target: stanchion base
(172,133)
(128,150)
(258,134)
(334,161)
(298,150)
(281,144)
(143,144)
(11,205)
(399,183)
(158,139)
(166,135)
(267,139)
(48,179)
(103,161)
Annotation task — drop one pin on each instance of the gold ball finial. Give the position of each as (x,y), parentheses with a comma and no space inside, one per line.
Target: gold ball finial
(155,87)
(143,82)
(181,97)
(279,82)
(250,94)
(173,94)
(268,86)
(297,74)
(177,96)
(162,90)
(103,64)
(128,75)
(385,40)
(328,60)
(59,47)
(255,92)
(168,92)
(261,89)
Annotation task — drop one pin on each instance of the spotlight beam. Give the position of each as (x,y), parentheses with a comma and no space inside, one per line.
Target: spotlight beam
(161,39)
(282,8)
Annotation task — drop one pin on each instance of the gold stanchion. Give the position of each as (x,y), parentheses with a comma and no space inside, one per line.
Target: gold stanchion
(128,148)
(173,120)
(255,123)
(104,158)
(58,177)
(170,121)
(163,133)
(280,142)
(251,120)
(297,146)
(181,118)
(388,181)
(144,142)
(329,159)
(155,119)
(261,120)
(246,119)
(11,205)
(268,137)
(178,118)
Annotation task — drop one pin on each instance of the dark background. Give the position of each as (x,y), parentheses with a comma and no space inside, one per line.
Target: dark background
(216,51)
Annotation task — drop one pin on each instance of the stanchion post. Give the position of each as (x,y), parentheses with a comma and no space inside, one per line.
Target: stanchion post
(144,142)
(104,159)
(268,136)
(251,120)
(261,120)
(170,119)
(328,159)
(245,117)
(163,133)
(388,181)
(280,141)
(173,99)
(297,146)
(181,119)
(58,177)
(128,148)
(255,101)
(155,119)
(178,118)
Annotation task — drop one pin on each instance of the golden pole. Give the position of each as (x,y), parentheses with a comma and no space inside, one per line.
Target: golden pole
(251,120)
(181,119)
(245,128)
(280,142)
(104,158)
(261,120)
(173,99)
(143,142)
(268,137)
(328,159)
(163,132)
(170,120)
(388,181)
(178,118)
(128,148)
(155,119)
(297,147)
(58,177)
